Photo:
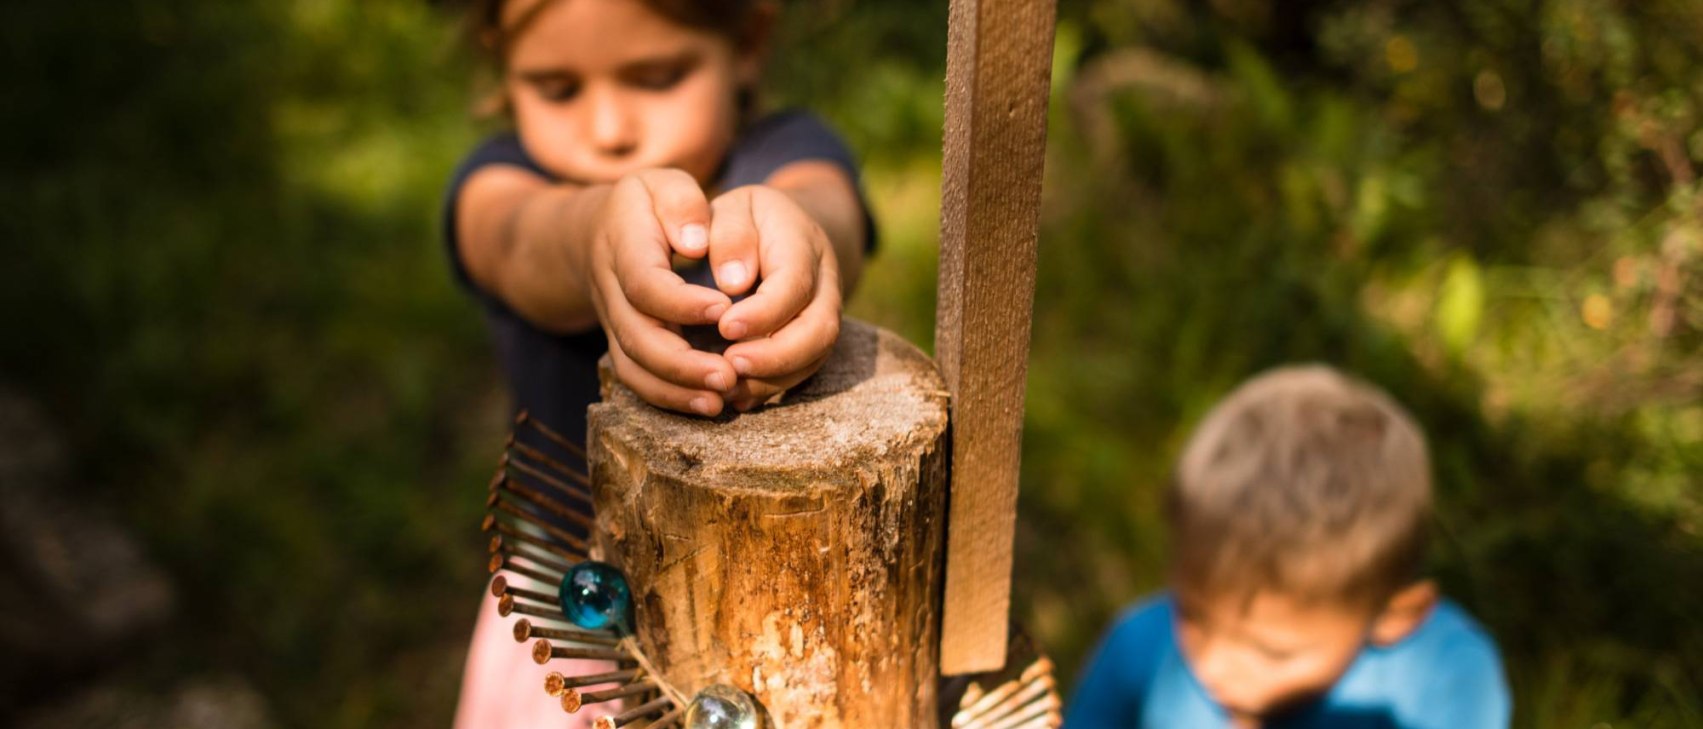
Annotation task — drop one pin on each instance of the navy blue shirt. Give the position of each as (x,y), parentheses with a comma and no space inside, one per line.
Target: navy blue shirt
(554,376)
(1445,675)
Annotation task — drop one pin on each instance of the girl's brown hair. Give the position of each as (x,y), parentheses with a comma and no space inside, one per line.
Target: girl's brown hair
(731,19)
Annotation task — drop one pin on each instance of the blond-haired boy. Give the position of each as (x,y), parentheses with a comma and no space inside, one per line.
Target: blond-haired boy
(1298,516)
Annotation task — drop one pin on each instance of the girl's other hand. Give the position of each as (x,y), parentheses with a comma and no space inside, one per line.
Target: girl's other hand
(642,302)
(784,330)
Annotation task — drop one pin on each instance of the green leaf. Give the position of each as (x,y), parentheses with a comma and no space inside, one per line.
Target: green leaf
(1460,304)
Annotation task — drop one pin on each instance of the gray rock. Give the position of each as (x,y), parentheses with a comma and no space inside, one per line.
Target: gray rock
(202,704)
(74,585)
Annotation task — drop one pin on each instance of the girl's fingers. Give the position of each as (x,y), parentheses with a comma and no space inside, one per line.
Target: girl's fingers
(782,296)
(658,392)
(756,391)
(794,256)
(663,354)
(637,246)
(661,293)
(733,243)
(680,208)
(794,346)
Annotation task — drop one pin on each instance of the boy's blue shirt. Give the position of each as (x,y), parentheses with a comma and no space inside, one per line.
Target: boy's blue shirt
(1446,675)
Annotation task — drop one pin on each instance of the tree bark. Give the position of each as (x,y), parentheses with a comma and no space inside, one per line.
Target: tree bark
(794,552)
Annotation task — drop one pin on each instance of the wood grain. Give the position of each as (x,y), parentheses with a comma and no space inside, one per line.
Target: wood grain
(795,551)
(999,60)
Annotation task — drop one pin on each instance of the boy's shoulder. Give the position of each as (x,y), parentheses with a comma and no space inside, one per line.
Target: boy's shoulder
(1448,638)
(1137,645)
(1448,672)
(1148,622)
(1137,676)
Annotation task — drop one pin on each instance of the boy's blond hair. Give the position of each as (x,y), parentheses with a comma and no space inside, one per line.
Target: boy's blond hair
(1302,482)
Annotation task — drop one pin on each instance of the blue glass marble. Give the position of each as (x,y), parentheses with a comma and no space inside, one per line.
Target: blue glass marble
(595,596)
(721,707)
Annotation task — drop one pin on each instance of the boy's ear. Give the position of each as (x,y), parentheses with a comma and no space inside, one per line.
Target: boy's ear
(1403,614)
(755,40)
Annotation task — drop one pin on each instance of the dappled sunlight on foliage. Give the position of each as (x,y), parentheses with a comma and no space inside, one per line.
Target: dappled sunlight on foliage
(1498,228)
(226,283)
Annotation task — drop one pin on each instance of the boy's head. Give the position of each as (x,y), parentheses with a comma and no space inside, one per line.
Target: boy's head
(1298,520)
(598,89)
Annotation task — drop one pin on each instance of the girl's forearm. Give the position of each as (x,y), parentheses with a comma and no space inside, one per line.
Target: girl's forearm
(543,272)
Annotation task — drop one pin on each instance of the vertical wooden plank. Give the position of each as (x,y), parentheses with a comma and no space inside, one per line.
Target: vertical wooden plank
(999,60)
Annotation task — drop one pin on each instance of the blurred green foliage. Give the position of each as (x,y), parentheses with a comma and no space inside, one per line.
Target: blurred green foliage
(1473,204)
(225,280)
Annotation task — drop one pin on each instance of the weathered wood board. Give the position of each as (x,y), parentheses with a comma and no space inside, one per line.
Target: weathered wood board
(999,60)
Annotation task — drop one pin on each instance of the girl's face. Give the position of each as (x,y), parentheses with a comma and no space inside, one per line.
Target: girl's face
(602,88)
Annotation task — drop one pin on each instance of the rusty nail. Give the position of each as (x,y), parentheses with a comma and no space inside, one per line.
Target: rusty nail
(670,719)
(627,717)
(584,482)
(524,630)
(506,532)
(514,486)
(556,684)
(502,561)
(543,651)
(525,418)
(550,529)
(500,586)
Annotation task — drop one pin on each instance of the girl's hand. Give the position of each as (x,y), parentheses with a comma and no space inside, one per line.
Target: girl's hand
(783,331)
(642,302)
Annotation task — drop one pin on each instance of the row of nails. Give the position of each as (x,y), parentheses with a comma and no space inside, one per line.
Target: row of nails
(641,711)
(549,606)
(524,631)
(1028,702)
(512,542)
(525,419)
(513,469)
(575,548)
(579,490)
(509,483)
(975,699)
(573,699)
(519,487)
(500,586)
(507,605)
(506,490)
(629,682)
(543,651)
(502,561)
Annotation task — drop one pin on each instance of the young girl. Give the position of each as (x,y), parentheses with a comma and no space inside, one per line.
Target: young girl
(634,144)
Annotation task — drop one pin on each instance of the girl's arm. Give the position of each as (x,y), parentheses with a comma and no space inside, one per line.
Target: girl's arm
(566,257)
(524,240)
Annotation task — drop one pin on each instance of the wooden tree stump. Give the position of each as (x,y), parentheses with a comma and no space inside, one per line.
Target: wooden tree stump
(794,552)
